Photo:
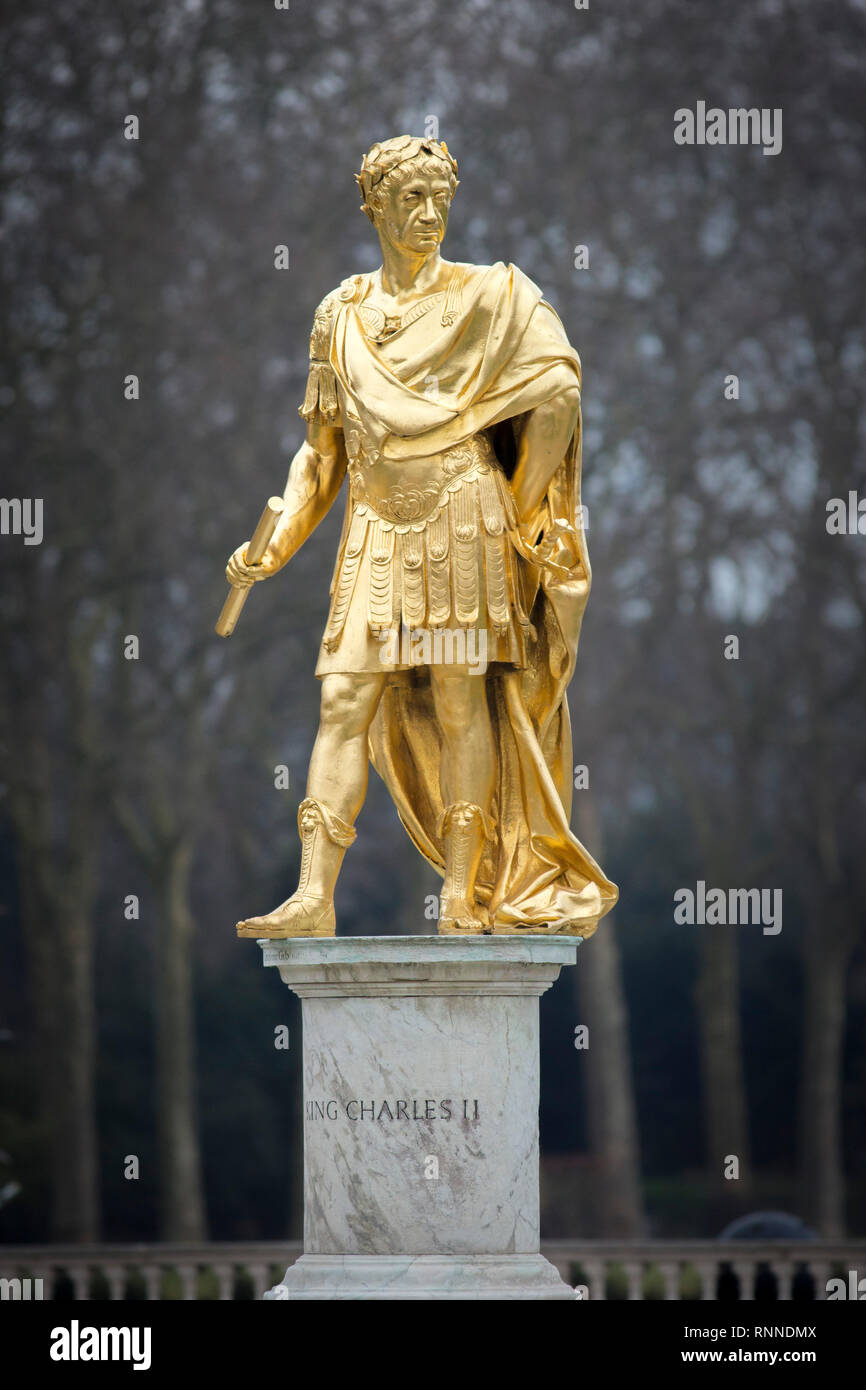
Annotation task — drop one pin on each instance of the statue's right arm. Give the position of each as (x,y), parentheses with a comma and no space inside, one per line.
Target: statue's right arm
(315,477)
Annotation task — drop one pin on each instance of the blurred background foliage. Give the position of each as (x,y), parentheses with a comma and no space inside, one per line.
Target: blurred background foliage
(155,777)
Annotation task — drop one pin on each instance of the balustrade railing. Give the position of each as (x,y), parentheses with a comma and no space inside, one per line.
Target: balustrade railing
(689,1270)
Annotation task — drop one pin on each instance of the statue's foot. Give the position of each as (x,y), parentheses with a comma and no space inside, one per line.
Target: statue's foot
(300,915)
(459,917)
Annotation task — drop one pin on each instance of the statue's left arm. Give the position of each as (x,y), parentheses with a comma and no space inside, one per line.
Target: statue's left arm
(544,439)
(545,359)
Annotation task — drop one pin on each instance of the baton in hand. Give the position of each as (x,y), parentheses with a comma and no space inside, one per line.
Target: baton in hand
(254,552)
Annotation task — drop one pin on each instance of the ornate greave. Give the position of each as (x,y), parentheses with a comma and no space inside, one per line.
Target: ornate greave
(464,827)
(325,836)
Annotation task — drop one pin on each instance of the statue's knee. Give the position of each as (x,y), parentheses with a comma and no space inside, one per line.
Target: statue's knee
(344,705)
(458,705)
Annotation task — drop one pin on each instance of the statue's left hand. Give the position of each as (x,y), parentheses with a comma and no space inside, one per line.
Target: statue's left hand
(559,547)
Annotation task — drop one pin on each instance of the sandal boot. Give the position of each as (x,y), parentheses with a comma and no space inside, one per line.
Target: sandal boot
(310,910)
(464,828)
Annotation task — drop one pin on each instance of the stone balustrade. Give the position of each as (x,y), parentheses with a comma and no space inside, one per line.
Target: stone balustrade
(685,1269)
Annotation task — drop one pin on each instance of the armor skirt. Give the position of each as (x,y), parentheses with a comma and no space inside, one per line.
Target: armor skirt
(447,585)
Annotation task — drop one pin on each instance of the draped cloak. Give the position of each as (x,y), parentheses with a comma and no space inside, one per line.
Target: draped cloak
(499,353)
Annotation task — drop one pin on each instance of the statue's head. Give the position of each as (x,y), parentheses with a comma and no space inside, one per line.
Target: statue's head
(407,185)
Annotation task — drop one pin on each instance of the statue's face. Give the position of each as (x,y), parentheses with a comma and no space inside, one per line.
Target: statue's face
(414,213)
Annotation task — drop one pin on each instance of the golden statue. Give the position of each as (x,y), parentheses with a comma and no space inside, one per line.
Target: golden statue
(450,395)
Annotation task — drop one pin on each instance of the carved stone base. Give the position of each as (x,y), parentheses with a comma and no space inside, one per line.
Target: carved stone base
(421,1115)
(394,1277)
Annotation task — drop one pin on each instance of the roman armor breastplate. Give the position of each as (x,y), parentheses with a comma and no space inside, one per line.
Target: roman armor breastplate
(410,492)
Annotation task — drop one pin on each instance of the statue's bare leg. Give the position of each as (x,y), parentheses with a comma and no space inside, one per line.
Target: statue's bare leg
(340,761)
(467,779)
(336,786)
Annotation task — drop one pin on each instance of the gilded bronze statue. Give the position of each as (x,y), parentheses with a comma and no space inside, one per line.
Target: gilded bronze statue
(450,395)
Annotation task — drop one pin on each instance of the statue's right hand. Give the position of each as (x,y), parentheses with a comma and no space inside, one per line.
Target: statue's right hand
(242,575)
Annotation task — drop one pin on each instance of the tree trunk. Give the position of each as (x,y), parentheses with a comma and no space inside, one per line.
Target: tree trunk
(73,1123)
(821,1172)
(612,1118)
(726,1127)
(61,982)
(181,1202)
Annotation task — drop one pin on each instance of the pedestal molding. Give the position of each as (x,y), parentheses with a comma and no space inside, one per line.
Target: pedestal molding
(422,1277)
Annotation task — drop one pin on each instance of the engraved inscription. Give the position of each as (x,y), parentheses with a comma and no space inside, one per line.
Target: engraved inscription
(415,1109)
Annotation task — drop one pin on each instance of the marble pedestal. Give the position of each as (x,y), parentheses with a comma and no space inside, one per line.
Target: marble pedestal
(421,1081)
